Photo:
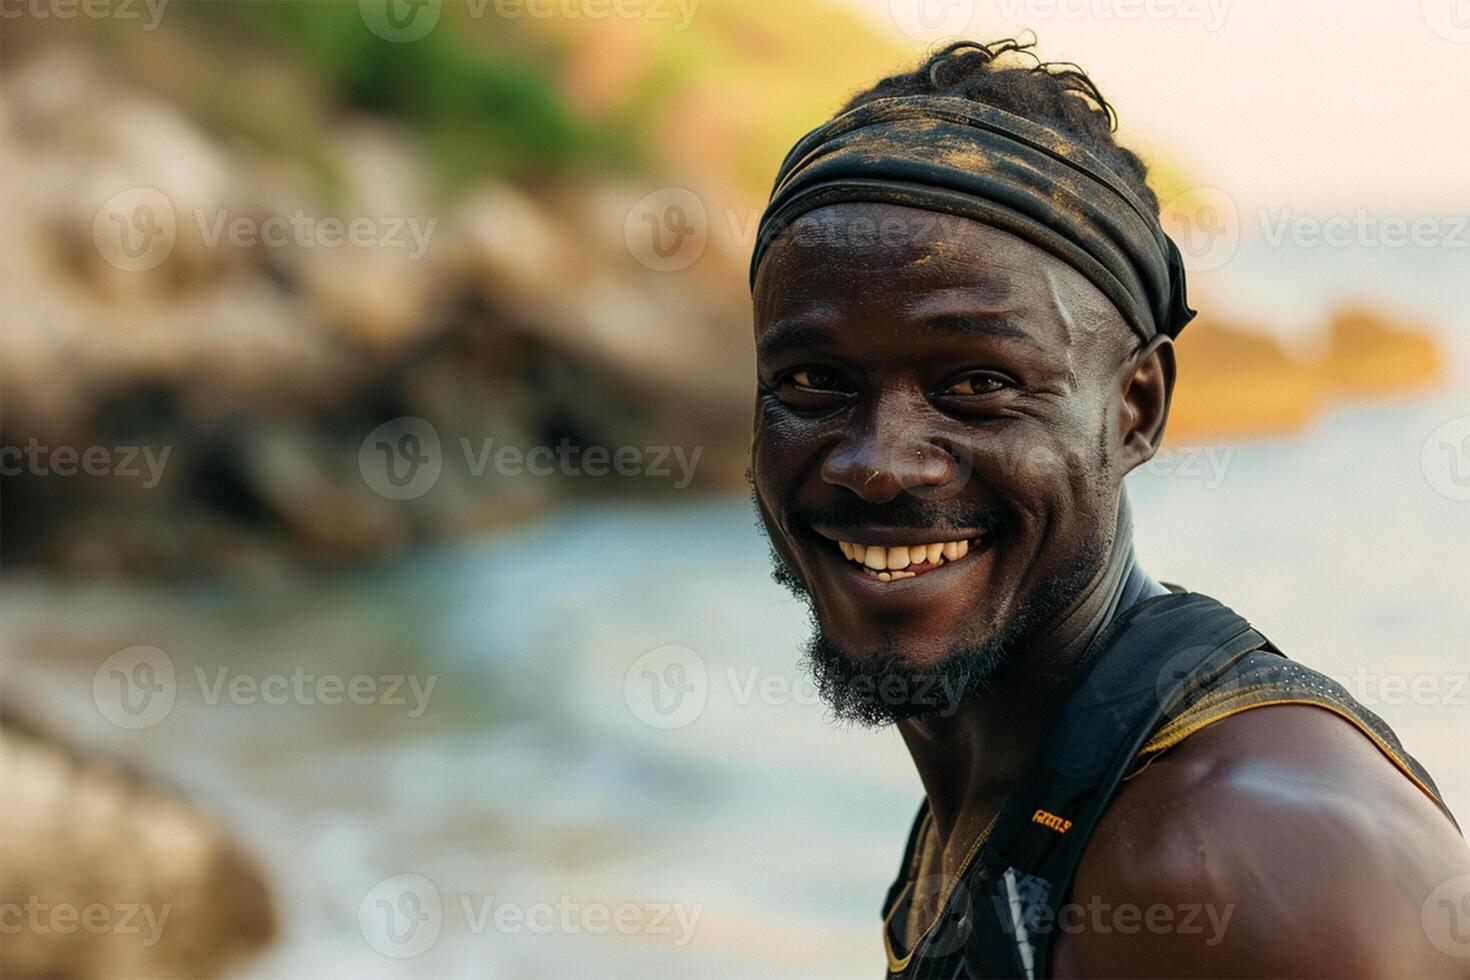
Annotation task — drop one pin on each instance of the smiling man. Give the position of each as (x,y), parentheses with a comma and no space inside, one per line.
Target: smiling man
(964,315)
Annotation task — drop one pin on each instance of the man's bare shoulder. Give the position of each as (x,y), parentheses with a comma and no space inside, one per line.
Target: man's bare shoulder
(1278,842)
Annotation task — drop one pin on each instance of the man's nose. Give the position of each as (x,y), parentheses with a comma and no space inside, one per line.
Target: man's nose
(888,453)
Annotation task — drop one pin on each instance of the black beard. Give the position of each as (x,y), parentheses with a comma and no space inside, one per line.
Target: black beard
(883,688)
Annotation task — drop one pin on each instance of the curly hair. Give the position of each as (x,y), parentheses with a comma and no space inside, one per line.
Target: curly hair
(1006,74)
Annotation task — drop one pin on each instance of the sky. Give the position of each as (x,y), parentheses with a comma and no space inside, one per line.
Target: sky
(1328,107)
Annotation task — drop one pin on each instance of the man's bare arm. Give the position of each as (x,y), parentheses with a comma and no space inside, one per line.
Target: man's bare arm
(1276,843)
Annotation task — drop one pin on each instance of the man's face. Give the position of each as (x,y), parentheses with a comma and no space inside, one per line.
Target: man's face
(938,403)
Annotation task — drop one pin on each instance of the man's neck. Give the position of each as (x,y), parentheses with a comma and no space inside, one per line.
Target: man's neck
(968,760)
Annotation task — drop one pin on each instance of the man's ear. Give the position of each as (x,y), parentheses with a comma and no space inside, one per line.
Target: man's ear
(1148,387)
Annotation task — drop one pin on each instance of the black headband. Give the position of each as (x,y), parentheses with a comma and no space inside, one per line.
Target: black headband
(955,156)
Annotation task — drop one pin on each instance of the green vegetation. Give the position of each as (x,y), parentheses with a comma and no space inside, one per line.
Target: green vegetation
(481,103)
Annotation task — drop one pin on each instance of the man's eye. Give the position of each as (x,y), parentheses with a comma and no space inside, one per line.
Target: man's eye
(820,379)
(814,389)
(976,384)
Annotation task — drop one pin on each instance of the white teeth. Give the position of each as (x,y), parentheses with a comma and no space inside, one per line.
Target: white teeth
(889,562)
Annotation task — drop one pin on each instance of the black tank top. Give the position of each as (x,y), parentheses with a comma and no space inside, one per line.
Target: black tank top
(1165,668)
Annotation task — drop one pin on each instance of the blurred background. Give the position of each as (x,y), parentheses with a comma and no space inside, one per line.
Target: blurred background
(381,596)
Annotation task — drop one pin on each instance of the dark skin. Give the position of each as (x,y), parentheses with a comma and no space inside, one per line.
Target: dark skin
(959,363)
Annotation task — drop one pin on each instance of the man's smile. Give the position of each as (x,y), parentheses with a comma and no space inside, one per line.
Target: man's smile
(873,553)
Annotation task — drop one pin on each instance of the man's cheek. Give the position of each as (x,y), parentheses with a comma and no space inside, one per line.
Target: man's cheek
(1026,472)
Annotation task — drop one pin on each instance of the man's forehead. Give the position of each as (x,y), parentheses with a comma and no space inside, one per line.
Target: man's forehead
(848,258)
(890,232)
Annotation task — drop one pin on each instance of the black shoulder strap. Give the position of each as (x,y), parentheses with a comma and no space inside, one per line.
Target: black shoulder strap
(1139,665)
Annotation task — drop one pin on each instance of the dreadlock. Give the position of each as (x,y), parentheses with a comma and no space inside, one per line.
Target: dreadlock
(1008,75)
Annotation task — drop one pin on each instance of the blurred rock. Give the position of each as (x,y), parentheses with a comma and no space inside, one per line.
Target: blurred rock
(1371,353)
(260,345)
(106,876)
(1239,381)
